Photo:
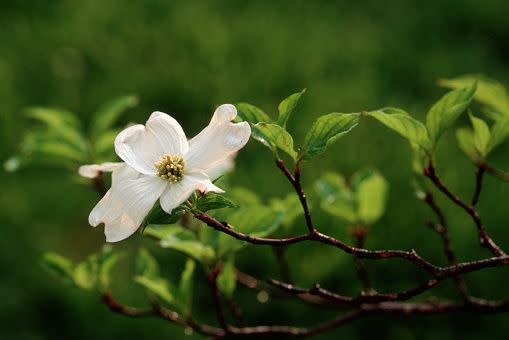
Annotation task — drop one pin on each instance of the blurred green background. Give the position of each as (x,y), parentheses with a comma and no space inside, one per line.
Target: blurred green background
(185,58)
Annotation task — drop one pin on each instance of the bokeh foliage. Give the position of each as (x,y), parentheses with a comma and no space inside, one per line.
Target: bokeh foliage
(185,58)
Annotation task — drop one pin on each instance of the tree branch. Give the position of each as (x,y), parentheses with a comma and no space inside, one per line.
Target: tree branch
(236,312)
(99,185)
(442,230)
(500,174)
(158,311)
(216,294)
(484,239)
(282,261)
(295,181)
(317,236)
(481,169)
(359,234)
(363,304)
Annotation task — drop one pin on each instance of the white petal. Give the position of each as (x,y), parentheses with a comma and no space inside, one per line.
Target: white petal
(127,203)
(218,141)
(176,193)
(94,170)
(141,146)
(221,168)
(169,133)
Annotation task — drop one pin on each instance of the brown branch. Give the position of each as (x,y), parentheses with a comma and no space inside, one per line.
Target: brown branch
(251,282)
(282,261)
(484,239)
(442,230)
(359,233)
(317,236)
(481,169)
(236,312)
(426,307)
(412,256)
(99,185)
(317,290)
(158,311)
(216,294)
(295,181)
(500,174)
(276,331)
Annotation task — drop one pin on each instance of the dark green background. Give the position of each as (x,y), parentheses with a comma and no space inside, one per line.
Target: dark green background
(186,57)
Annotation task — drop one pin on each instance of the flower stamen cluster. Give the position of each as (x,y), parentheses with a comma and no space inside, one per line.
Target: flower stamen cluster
(170,167)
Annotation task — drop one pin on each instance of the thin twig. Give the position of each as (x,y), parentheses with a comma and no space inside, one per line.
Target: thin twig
(295,181)
(484,239)
(402,308)
(236,312)
(158,311)
(500,174)
(317,290)
(282,261)
(481,169)
(99,185)
(442,230)
(364,304)
(317,236)
(359,233)
(216,294)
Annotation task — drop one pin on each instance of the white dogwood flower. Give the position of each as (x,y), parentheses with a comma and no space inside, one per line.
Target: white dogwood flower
(160,163)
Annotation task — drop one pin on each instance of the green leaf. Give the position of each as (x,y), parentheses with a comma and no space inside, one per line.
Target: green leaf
(146,264)
(254,220)
(465,138)
(251,113)
(52,117)
(336,198)
(287,106)
(227,279)
(158,216)
(489,92)
(60,123)
(53,149)
(482,135)
(444,112)
(326,130)
(213,201)
(289,206)
(186,287)
(104,147)
(59,266)
(274,136)
(420,160)
(147,275)
(158,286)
(107,262)
(499,133)
(408,127)
(177,238)
(371,193)
(86,273)
(244,196)
(108,113)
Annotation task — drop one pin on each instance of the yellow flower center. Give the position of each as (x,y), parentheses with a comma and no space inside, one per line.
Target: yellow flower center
(170,167)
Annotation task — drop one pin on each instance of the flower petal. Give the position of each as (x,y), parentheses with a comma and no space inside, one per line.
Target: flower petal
(169,133)
(141,146)
(176,193)
(127,203)
(221,168)
(219,140)
(94,170)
